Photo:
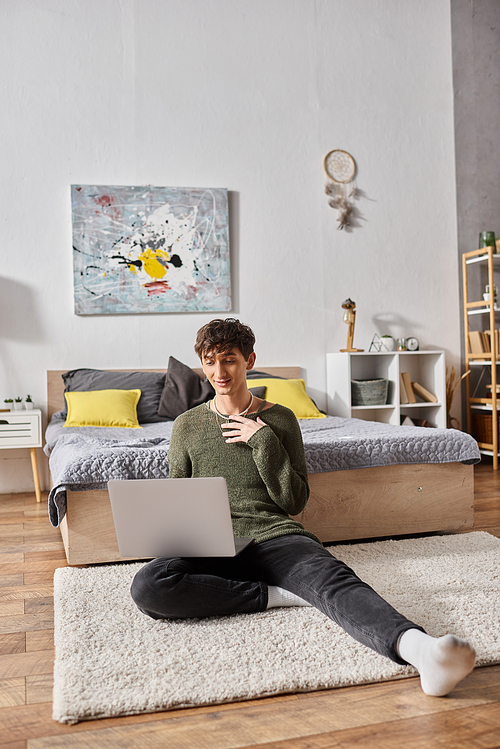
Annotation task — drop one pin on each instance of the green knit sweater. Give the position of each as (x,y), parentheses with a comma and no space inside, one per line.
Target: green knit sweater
(266,477)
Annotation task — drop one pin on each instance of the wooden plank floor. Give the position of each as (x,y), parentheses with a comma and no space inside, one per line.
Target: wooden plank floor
(394,714)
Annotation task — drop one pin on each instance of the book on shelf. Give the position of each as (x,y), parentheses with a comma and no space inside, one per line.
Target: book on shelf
(407,394)
(402,392)
(423,393)
(487,334)
(480,341)
(476,342)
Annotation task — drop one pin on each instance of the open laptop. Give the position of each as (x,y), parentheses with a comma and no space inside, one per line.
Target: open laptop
(173,518)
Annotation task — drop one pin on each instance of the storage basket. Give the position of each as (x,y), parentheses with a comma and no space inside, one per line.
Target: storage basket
(369,392)
(482,427)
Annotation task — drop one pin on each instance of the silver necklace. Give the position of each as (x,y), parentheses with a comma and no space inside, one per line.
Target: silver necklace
(228,417)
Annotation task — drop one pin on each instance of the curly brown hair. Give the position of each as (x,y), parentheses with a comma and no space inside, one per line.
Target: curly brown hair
(224,335)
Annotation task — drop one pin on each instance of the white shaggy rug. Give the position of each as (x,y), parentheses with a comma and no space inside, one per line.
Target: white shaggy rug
(112,660)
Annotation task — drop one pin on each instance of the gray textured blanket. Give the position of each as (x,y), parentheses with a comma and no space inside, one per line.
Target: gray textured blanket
(87,457)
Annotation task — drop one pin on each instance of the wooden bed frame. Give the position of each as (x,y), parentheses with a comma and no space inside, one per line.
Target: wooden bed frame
(344,505)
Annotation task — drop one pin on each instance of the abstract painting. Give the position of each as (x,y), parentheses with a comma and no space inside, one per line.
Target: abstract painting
(150,249)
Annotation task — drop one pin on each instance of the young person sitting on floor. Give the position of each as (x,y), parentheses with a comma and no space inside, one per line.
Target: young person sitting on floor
(257,447)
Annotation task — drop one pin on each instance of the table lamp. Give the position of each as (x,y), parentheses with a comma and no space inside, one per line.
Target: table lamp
(350,317)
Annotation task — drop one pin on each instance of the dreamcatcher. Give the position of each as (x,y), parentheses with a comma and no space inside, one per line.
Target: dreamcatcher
(340,170)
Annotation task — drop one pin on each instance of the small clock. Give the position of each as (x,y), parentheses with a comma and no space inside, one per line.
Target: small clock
(412,344)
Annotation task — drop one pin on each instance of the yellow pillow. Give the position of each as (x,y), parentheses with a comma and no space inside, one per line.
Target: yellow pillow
(290,393)
(103,408)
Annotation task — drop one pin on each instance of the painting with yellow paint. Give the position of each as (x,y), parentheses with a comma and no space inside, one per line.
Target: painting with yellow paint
(150,249)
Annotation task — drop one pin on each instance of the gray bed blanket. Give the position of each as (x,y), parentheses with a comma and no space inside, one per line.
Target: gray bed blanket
(83,461)
(335,444)
(87,457)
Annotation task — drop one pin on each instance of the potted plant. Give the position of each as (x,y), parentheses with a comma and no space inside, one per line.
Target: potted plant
(18,404)
(388,342)
(28,403)
(9,402)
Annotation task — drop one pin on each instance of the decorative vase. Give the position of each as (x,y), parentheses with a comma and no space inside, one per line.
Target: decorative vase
(17,406)
(28,405)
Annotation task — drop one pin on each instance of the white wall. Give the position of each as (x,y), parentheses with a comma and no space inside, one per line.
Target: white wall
(243,94)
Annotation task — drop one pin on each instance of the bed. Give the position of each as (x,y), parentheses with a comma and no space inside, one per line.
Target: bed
(367,480)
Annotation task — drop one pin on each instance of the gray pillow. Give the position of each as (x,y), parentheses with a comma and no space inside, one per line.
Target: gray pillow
(254,374)
(149,383)
(259,392)
(183,389)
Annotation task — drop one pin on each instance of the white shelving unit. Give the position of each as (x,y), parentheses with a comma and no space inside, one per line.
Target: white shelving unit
(425,367)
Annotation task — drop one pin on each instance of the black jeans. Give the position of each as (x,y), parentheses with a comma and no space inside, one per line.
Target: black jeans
(200,587)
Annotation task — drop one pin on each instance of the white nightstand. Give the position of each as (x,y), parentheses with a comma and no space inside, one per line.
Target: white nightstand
(23,429)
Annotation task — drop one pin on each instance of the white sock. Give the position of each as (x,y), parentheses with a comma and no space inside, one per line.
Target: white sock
(441,661)
(277,597)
